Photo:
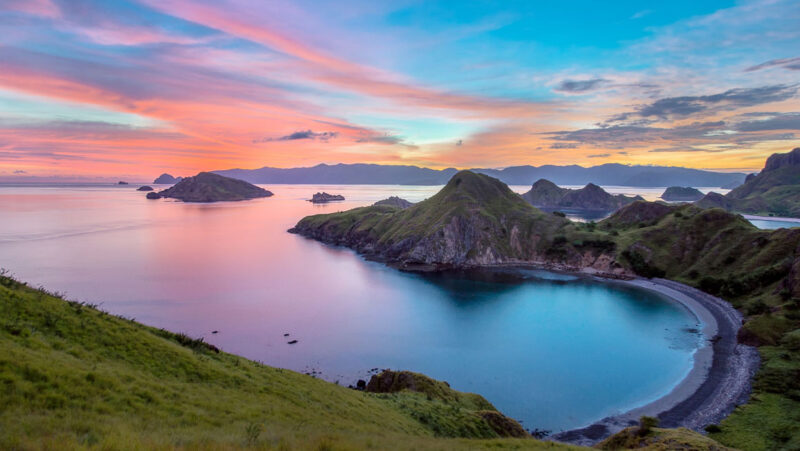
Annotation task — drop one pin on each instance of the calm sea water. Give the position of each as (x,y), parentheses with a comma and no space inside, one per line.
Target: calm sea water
(554,351)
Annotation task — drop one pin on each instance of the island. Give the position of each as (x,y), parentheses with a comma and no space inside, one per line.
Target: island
(682,194)
(744,282)
(122,183)
(394,201)
(321,198)
(775,191)
(210,187)
(144,188)
(547,195)
(167,179)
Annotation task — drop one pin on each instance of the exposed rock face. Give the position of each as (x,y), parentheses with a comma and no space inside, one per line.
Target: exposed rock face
(545,194)
(144,188)
(167,179)
(782,160)
(394,201)
(209,187)
(321,198)
(682,194)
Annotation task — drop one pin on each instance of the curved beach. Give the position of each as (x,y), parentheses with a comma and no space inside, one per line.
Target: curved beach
(719,379)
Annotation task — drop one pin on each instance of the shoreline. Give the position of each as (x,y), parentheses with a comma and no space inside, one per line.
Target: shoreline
(721,374)
(720,378)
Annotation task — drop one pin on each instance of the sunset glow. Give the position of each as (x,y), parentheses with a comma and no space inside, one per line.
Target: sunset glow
(131,89)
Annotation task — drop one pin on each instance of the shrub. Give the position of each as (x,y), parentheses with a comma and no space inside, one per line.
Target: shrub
(641,266)
(646,424)
(560,214)
(713,428)
(792,340)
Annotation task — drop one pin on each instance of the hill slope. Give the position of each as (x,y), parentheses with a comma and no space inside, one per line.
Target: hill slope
(775,191)
(74,377)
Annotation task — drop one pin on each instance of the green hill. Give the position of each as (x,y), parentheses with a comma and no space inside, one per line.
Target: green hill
(475,219)
(74,377)
(775,191)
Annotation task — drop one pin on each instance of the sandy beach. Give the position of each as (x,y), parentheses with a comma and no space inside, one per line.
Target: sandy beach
(718,382)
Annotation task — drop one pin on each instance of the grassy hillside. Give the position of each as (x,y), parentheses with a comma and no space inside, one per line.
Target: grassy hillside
(74,377)
(775,191)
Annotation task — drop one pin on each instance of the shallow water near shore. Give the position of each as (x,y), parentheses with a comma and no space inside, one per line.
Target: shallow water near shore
(555,351)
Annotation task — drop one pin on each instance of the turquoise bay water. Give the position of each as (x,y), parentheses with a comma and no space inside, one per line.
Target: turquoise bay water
(554,351)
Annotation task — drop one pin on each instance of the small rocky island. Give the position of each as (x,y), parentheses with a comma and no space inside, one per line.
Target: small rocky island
(546,194)
(122,183)
(321,198)
(394,201)
(682,194)
(167,179)
(210,187)
(144,188)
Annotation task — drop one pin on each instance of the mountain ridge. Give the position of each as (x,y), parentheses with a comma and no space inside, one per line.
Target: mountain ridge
(613,174)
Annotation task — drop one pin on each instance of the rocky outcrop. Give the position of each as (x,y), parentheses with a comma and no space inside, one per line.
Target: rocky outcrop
(144,188)
(782,160)
(167,179)
(152,195)
(209,187)
(682,194)
(545,194)
(321,198)
(395,381)
(394,201)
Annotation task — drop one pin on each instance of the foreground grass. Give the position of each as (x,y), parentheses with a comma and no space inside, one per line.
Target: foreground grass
(74,377)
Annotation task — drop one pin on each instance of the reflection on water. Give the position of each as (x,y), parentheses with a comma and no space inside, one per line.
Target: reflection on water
(552,350)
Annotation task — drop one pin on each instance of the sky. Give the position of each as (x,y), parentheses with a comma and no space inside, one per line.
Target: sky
(134,88)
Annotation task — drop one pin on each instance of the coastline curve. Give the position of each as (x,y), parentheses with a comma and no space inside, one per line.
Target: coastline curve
(720,378)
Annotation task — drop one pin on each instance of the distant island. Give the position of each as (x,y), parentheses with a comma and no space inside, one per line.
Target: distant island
(682,194)
(546,194)
(144,188)
(321,198)
(167,179)
(373,174)
(209,187)
(122,183)
(775,191)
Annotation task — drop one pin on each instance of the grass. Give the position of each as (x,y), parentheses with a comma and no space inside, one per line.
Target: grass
(74,377)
